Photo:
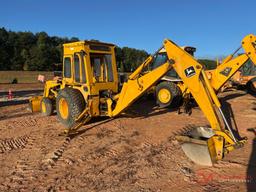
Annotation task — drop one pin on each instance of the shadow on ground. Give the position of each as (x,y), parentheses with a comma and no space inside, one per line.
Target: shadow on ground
(146,107)
(3,117)
(13,102)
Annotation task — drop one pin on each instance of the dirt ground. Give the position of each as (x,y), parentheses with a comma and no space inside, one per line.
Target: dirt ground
(134,152)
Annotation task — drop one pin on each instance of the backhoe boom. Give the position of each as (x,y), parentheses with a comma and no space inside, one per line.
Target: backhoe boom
(219,140)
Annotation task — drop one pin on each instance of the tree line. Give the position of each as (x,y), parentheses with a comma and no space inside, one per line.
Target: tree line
(209,64)
(41,52)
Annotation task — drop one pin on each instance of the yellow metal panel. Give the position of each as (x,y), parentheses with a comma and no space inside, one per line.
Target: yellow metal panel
(219,77)
(48,86)
(189,71)
(249,45)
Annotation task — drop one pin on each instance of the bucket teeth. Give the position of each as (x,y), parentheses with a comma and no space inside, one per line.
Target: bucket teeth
(185,131)
(195,132)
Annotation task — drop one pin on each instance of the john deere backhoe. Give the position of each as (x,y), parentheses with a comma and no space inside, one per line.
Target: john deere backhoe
(170,90)
(89,88)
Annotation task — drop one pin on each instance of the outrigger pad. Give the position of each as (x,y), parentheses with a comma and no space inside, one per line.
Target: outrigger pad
(198,146)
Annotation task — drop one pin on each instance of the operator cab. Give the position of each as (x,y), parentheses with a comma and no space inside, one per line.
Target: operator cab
(161,58)
(90,65)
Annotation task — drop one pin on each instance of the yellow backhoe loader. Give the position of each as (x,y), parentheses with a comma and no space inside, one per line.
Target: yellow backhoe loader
(89,88)
(231,64)
(245,77)
(170,90)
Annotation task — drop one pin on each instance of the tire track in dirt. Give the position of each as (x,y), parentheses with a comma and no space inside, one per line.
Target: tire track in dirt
(104,159)
(8,145)
(26,169)
(73,154)
(20,142)
(125,166)
(56,158)
(111,145)
(23,171)
(28,122)
(52,158)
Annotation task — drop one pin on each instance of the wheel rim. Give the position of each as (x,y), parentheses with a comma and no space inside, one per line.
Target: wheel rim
(63,108)
(43,107)
(164,95)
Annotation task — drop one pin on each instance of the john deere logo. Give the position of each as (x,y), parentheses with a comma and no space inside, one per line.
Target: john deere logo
(189,72)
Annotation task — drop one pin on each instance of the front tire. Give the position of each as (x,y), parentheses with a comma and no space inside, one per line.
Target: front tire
(168,94)
(70,104)
(46,106)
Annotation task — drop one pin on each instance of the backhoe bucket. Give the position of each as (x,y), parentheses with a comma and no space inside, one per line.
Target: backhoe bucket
(199,145)
(35,104)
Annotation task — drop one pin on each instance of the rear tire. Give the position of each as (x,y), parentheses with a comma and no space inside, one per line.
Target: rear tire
(70,104)
(46,106)
(168,94)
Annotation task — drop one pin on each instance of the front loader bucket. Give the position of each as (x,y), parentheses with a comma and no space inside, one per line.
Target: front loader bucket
(35,104)
(199,145)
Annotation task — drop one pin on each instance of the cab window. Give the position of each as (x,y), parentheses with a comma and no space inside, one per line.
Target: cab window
(83,80)
(77,68)
(102,67)
(67,67)
(159,59)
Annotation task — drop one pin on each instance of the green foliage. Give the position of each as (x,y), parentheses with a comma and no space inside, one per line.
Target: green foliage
(28,51)
(209,64)
(40,52)
(128,59)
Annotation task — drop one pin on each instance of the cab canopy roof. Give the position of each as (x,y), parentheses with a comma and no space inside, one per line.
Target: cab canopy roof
(86,42)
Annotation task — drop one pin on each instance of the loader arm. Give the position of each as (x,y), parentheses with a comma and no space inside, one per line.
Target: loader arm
(231,65)
(138,83)
(136,86)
